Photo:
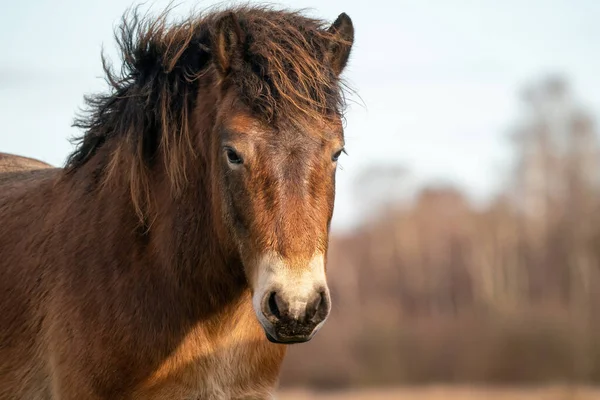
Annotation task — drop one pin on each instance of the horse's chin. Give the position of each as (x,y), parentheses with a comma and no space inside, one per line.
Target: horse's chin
(274,338)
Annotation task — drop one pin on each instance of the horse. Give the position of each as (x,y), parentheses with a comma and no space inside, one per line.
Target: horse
(183,246)
(14,163)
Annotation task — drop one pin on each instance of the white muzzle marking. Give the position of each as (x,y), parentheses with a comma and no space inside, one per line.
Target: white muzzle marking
(296,285)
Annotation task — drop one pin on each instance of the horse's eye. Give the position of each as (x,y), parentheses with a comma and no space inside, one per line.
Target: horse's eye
(337,155)
(233,157)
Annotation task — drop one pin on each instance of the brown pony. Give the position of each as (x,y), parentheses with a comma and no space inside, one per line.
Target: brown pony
(184,243)
(13,163)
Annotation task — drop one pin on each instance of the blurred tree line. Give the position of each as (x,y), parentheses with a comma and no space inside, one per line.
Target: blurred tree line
(442,290)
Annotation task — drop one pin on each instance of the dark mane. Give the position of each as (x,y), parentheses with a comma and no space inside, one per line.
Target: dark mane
(282,75)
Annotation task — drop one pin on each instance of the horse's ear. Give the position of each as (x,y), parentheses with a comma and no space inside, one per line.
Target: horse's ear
(227,43)
(340,46)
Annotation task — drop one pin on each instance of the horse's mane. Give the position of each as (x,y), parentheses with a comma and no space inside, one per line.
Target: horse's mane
(284,74)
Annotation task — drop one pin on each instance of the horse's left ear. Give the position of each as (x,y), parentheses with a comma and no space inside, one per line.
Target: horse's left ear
(340,46)
(227,43)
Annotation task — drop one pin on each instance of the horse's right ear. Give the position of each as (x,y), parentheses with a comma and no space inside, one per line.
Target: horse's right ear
(339,48)
(227,43)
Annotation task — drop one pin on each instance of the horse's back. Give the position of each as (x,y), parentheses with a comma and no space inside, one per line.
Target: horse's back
(14,163)
(25,203)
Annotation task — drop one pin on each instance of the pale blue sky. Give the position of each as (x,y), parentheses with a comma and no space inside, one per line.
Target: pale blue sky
(439,79)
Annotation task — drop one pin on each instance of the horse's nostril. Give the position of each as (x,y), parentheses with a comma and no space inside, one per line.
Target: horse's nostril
(273,308)
(323,305)
(313,307)
(324,298)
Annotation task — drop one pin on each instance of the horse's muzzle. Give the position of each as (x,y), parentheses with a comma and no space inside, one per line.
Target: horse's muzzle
(294,320)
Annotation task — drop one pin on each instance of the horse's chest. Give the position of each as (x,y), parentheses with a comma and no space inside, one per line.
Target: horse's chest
(241,366)
(234,376)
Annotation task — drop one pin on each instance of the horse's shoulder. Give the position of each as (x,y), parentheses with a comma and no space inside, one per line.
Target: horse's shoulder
(26,178)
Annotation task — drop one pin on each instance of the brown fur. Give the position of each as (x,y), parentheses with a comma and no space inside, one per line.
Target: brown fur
(13,163)
(127,274)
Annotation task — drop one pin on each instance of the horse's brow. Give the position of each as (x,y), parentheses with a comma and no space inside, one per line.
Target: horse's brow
(234,129)
(243,123)
(229,132)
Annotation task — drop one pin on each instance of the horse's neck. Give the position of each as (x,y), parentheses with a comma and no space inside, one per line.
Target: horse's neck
(177,249)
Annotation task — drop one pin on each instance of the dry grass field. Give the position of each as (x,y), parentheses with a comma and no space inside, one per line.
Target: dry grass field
(452,393)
